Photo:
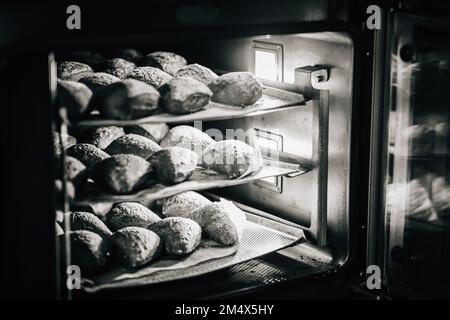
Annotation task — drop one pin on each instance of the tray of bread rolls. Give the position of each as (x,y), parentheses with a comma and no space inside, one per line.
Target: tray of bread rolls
(158,87)
(154,162)
(183,236)
(255,240)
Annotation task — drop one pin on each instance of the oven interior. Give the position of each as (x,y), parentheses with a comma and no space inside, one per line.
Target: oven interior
(315,135)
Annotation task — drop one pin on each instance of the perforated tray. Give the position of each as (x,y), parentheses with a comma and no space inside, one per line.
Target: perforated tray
(257,241)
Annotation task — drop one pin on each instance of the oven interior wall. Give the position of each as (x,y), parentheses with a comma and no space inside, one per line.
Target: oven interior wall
(291,199)
(332,50)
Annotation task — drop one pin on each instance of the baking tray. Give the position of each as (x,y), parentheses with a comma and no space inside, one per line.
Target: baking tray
(271,100)
(257,241)
(201,179)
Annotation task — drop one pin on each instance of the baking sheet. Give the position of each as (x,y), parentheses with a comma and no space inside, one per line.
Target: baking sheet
(257,241)
(201,179)
(271,99)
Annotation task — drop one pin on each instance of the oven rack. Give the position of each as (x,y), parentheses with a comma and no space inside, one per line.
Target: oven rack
(200,180)
(273,99)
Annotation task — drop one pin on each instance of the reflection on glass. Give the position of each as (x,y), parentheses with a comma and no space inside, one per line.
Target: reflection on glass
(418,185)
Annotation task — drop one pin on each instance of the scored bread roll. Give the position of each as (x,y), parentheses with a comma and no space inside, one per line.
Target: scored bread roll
(187,137)
(87,249)
(236,89)
(121,173)
(151,76)
(180,236)
(133,144)
(135,246)
(75,97)
(173,165)
(185,95)
(167,61)
(103,136)
(119,68)
(221,221)
(130,214)
(98,80)
(87,153)
(73,71)
(183,204)
(75,171)
(197,72)
(88,221)
(233,158)
(128,99)
(152,131)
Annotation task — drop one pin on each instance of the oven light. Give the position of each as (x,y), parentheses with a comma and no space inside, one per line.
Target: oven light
(266,65)
(267,60)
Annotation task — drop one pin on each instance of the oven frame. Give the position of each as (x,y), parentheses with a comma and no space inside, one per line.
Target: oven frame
(342,274)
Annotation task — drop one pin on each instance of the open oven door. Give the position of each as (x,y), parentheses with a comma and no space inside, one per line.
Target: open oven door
(409,194)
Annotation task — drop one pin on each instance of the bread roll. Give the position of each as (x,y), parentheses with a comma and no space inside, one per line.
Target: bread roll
(133,144)
(119,68)
(236,89)
(167,61)
(103,136)
(75,97)
(197,72)
(129,99)
(135,246)
(88,250)
(152,76)
(129,54)
(73,71)
(87,153)
(221,221)
(183,204)
(98,80)
(61,142)
(122,173)
(185,95)
(180,236)
(88,221)
(75,171)
(152,131)
(233,158)
(174,164)
(130,214)
(187,137)
(91,58)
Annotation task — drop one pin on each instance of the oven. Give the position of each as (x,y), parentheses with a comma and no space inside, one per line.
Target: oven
(352,196)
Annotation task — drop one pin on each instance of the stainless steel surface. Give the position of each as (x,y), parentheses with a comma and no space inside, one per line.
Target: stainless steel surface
(304,163)
(335,52)
(378,167)
(307,78)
